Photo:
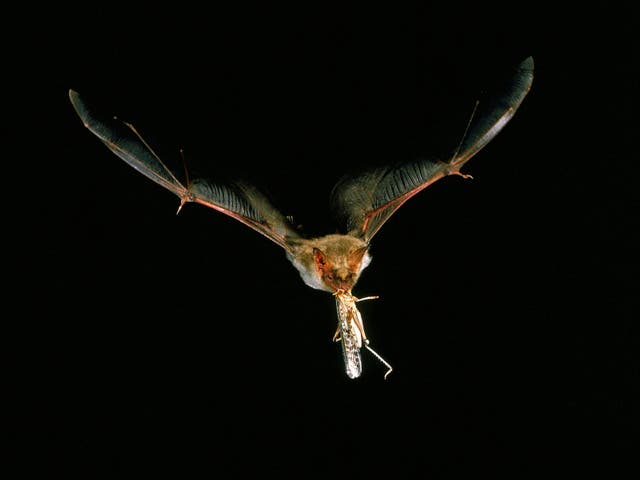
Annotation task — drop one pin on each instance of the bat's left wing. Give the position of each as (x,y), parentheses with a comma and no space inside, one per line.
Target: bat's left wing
(366,201)
(238,200)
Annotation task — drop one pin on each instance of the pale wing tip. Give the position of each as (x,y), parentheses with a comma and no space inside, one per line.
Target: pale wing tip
(527,64)
(79,106)
(74,97)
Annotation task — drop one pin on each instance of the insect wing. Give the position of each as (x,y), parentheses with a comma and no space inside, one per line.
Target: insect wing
(350,337)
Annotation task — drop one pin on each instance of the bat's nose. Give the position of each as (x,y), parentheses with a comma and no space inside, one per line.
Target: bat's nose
(343,280)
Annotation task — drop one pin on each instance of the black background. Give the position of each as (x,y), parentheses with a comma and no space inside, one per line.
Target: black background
(141,343)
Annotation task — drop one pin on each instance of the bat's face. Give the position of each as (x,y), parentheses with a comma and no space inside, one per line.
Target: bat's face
(340,270)
(331,263)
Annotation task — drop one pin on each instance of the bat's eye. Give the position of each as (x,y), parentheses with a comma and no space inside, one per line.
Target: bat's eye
(330,276)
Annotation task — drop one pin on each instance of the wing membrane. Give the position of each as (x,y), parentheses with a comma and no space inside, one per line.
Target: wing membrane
(238,200)
(365,202)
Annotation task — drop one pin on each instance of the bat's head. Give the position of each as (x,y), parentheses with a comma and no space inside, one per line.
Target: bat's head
(339,269)
(330,263)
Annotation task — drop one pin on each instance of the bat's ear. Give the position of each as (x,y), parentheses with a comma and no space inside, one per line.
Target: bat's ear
(320,259)
(355,257)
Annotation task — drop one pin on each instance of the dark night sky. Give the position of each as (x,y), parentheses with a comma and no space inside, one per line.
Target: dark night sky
(145,342)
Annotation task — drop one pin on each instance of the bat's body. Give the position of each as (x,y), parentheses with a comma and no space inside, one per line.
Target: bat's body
(362,203)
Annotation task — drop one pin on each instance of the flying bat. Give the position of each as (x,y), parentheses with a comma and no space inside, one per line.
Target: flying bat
(361,202)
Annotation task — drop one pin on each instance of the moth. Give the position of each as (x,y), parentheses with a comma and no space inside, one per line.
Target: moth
(361,202)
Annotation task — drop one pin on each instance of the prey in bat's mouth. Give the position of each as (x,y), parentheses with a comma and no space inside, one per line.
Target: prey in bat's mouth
(333,263)
(350,333)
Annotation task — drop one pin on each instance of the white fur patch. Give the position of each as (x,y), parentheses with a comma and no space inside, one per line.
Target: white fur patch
(310,278)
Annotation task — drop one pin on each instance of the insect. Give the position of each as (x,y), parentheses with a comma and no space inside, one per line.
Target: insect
(362,203)
(351,334)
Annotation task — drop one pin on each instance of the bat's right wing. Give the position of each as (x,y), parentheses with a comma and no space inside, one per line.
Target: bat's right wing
(238,200)
(366,201)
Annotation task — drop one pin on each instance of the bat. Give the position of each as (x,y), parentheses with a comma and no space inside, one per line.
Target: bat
(361,202)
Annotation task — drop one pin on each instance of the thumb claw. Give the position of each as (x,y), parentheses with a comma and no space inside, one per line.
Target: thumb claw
(463,175)
(183,200)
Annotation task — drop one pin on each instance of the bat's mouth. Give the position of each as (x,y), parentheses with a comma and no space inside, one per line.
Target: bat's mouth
(338,286)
